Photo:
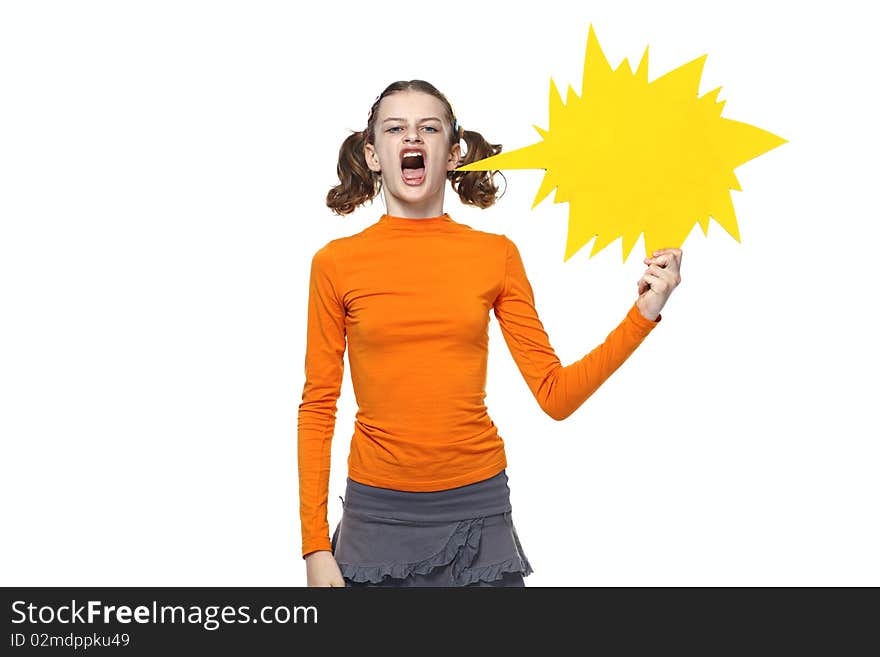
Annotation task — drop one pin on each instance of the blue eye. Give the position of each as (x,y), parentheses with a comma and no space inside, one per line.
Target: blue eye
(397,127)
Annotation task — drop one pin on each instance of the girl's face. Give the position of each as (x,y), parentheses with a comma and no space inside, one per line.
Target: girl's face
(412,122)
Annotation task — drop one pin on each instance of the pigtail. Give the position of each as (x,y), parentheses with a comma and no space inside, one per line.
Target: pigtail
(357,183)
(476,187)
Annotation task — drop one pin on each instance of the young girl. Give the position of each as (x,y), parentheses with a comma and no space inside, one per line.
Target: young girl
(427,501)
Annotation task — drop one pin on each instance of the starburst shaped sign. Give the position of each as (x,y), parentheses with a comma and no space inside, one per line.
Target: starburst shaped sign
(632,156)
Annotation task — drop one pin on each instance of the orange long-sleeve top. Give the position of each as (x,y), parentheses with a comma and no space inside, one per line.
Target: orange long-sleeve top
(412,299)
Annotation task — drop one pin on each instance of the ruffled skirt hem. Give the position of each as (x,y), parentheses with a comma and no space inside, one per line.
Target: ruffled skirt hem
(457,554)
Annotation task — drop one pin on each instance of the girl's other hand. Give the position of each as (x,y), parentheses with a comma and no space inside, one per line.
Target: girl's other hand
(322,570)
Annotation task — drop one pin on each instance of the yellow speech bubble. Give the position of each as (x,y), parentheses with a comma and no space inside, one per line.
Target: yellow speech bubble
(632,156)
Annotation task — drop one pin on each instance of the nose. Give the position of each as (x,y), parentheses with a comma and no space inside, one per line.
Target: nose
(412,135)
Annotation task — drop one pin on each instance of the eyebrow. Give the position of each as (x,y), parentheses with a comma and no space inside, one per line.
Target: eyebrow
(398,118)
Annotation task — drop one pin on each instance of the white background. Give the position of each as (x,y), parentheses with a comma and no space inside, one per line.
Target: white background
(163,171)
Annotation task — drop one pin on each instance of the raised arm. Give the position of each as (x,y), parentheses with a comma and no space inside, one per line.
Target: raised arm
(560,390)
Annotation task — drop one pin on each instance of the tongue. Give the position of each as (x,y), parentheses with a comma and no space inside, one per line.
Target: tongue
(414,175)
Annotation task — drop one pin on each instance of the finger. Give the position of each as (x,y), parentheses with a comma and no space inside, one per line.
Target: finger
(669,276)
(647,280)
(673,251)
(669,263)
(658,284)
(661,260)
(667,260)
(675,254)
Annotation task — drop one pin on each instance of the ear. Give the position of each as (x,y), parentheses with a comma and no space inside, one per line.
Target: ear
(371,158)
(454,159)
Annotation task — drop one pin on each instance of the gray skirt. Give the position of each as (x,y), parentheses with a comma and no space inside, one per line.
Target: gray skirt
(461,536)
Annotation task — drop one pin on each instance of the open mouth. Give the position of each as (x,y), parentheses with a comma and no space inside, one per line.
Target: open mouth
(412,167)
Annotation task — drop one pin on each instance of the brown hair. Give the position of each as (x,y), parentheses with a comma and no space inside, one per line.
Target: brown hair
(358,184)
